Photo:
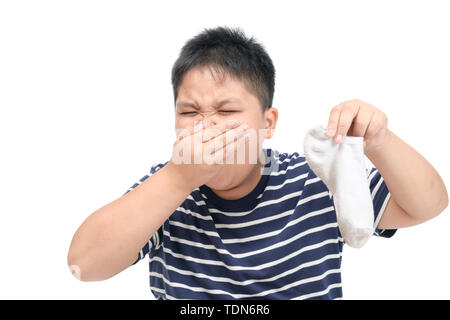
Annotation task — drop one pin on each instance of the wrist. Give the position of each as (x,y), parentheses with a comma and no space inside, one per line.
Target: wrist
(177,179)
(377,152)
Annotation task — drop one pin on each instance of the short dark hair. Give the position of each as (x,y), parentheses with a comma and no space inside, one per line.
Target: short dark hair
(229,52)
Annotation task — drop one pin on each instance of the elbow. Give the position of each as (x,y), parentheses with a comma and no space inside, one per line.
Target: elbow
(81,271)
(443,201)
(79,267)
(80,260)
(85,269)
(76,267)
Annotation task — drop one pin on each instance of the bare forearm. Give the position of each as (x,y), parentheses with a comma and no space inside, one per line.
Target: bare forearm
(413,182)
(109,240)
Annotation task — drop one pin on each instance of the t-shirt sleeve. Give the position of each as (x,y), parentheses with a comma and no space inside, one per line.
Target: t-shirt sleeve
(380,197)
(156,239)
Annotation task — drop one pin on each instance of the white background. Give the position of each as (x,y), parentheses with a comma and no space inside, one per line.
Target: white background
(87,107)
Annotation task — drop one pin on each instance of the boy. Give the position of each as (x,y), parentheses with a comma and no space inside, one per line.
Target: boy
(260,228)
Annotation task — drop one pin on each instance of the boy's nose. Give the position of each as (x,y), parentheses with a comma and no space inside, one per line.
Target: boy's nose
(208,121)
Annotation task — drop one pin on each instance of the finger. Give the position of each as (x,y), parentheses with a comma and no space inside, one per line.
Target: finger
(361,124)
(188,131)
(213,136)
(370,131)
(375,125)
(220,129)
(182,133)
(224,139)
(216,130)
(233,152)
(198,130)
(346,117)
(196,133)
(232,135)
(333,120)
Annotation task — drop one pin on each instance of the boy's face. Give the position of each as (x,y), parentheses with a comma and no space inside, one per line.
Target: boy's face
(200,97)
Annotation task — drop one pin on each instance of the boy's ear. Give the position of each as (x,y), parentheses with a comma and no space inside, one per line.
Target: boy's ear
(271,117)
(269,132)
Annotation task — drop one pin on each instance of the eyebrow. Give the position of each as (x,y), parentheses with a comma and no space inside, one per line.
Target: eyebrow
(219,104)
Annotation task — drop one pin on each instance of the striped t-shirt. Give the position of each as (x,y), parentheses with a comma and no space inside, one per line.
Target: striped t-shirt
(280,241)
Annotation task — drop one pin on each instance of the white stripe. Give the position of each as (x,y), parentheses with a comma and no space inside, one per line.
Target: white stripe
(319,293)
(261,204)
(243,295)
(199,230)
(159,166)
(374,192)
(158,289)
(371,176)
(198,203)
(249,281)
(194,214)
(168,296)
(250,253)
(286,182)
(311,181)
(193,243)
(257,267)
(383,207)
(158,243)
(253,222)
(156,240)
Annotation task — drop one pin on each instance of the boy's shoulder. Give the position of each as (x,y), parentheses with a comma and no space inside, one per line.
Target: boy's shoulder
(290,163)
(156,166)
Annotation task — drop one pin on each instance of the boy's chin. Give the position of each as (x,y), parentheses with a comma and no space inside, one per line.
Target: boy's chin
(226,179)
(221,182)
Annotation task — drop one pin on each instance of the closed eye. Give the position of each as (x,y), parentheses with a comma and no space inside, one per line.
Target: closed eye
(227,111)
(190,113)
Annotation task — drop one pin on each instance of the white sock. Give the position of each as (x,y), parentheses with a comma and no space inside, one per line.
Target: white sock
(342,168)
